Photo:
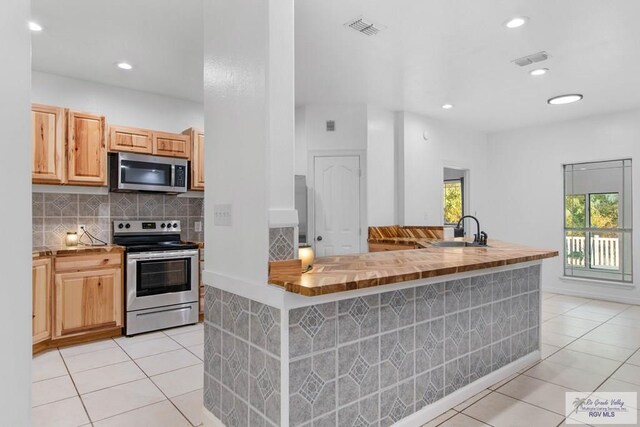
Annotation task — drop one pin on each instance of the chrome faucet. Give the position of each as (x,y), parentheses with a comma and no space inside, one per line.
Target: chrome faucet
(480,238)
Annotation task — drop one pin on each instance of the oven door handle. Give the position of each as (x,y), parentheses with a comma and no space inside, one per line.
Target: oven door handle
(163,311)
(163,255)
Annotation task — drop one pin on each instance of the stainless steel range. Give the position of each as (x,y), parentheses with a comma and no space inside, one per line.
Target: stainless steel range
(161,284)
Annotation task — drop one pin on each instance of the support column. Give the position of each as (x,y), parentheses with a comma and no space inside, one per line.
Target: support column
(15,188)
(249,203)
(249,123)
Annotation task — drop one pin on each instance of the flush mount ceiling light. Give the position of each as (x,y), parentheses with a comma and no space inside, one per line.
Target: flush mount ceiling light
(124,65)
(539,71)
(34,26)
(564,99)
(516,22)
(447,106)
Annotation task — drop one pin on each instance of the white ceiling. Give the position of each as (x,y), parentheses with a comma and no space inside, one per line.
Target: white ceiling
(431,53)
(84,39)
(457,51)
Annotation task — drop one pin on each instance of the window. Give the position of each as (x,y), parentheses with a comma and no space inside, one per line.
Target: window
(453,207)
(597,220)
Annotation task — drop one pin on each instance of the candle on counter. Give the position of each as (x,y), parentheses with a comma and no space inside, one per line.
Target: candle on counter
(305,253)
(72,238)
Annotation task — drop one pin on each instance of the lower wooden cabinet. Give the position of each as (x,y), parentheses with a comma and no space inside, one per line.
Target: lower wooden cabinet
(87,301)
(41,299)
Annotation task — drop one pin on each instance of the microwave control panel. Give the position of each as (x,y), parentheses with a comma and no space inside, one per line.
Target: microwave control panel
(181,176)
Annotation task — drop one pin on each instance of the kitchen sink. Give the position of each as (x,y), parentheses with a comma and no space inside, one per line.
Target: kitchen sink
(456,244)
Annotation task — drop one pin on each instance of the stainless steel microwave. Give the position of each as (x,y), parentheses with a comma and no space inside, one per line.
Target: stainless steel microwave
(142,172)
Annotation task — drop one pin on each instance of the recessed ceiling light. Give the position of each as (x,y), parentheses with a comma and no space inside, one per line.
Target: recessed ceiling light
(125,65)
(447,106)
(34,26)
(539,71)
(564,99)
(516,22)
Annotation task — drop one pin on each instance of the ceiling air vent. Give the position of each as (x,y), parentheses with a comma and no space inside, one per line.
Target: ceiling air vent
(364,26)
(531,59)
(331,126)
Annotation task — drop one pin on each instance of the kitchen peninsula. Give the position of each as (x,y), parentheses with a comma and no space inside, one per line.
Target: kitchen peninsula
(392,337)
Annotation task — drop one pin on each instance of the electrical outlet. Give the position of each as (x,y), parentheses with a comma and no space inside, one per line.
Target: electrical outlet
(197,226)
(222,215)
(80,227)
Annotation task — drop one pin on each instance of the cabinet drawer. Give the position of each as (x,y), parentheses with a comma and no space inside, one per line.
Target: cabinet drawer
(87,262)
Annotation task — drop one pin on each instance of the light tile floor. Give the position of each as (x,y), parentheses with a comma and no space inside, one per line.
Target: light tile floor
(153,379)
(156,379)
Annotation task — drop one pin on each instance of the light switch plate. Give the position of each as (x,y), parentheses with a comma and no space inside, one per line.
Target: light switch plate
(197,226)
(222,215)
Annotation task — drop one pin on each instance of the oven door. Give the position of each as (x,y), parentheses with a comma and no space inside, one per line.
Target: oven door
(158,279)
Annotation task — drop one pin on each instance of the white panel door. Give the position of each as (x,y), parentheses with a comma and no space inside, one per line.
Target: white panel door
(337,205)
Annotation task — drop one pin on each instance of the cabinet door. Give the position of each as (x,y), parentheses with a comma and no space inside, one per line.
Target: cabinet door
(87,301)
(48,144)
(87,153)
(197,159)
(171,144)
(41,299)
(132,140)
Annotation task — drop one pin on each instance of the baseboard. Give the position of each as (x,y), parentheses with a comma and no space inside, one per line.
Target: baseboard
(450,401)
(592,295)
(210,420)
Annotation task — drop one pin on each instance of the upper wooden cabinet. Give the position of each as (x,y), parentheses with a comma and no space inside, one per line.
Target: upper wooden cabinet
(196,181)
(133,140)
(48,144)
(41,299)
(87,149)
(171,144)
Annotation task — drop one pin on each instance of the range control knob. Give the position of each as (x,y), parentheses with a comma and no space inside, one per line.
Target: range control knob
(175,225)
(121,226)
(127,226)
(163,225)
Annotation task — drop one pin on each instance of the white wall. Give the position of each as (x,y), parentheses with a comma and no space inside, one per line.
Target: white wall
(300,162)
(311,133)
(525,177)
(241,95)
(381,178)
(15,189)
(121,106)
(422,165)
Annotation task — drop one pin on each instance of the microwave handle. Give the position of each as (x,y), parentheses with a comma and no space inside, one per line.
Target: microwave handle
(173,175)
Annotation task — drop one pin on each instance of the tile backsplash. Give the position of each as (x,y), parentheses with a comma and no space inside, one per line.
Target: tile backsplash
(54,214)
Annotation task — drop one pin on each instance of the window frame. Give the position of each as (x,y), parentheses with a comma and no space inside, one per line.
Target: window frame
(444,183)
(589,231)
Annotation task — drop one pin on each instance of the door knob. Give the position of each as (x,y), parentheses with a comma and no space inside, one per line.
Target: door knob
(319,238)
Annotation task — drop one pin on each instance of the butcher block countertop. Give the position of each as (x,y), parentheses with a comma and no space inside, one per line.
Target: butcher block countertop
(75,250)
(349,272)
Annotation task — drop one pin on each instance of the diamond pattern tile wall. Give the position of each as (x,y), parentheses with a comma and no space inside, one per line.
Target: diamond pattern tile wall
(344,369)
(311,387)
(281,243)
(98,211)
